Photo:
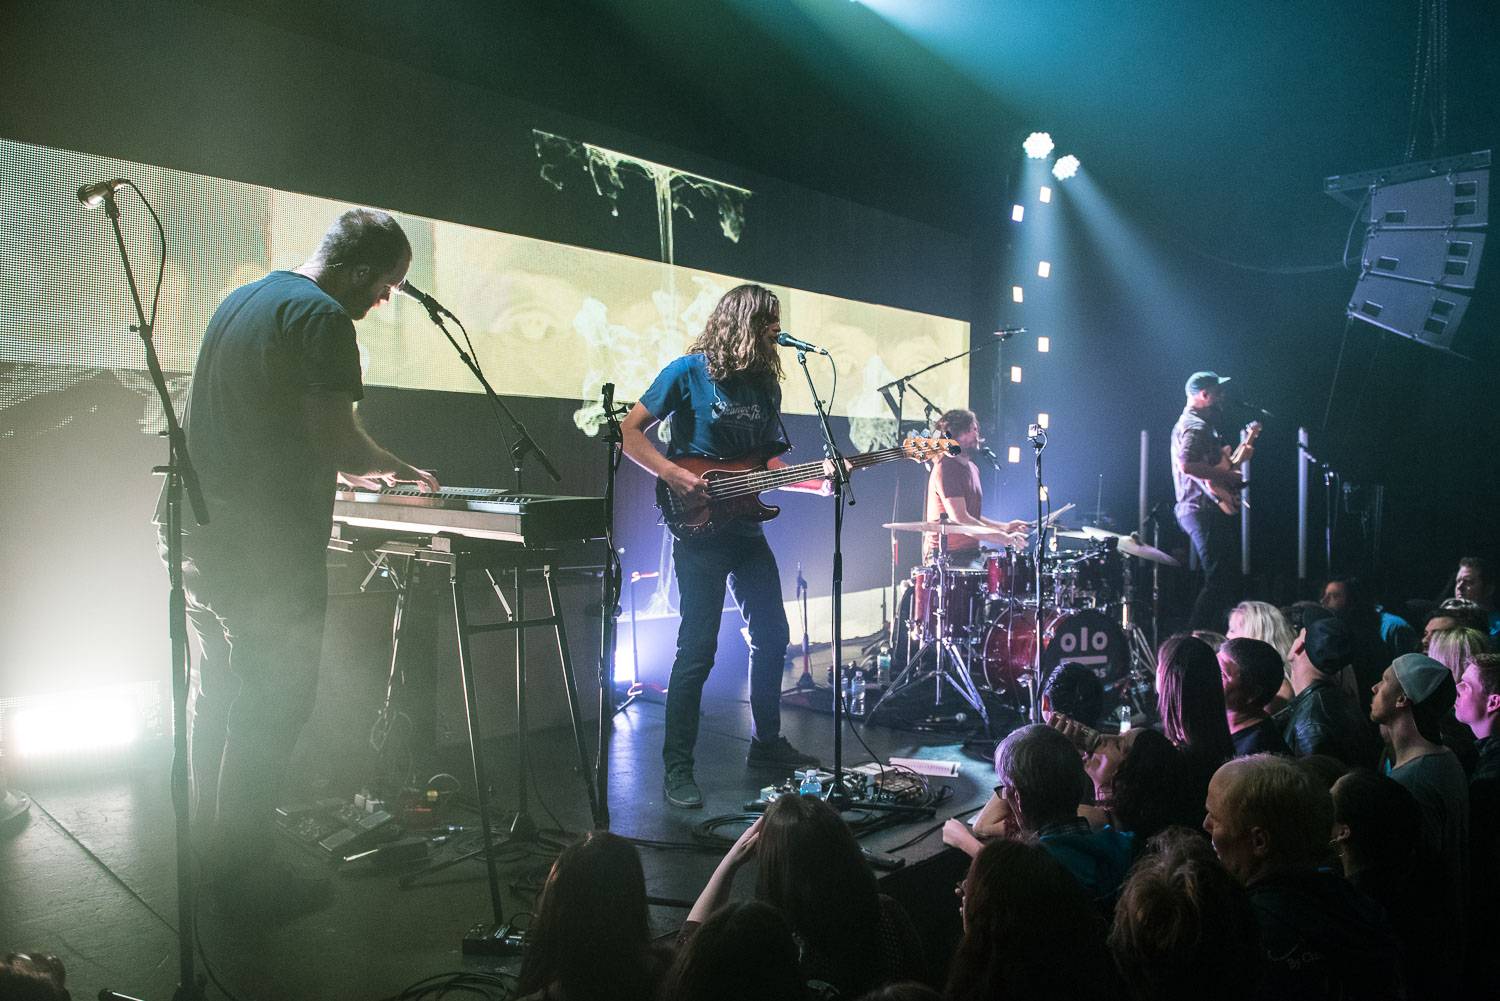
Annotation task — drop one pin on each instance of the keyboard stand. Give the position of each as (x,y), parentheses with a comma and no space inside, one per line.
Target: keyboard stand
(462,557)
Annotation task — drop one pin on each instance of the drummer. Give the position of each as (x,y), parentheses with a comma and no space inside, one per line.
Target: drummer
(954,492)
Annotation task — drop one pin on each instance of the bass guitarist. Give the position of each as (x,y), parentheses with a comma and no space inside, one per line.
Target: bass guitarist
(722,400)
(1199,465)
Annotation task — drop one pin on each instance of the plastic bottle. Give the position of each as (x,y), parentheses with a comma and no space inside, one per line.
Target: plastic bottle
(883,664)
(810,786)
(856,692)
(1124,716)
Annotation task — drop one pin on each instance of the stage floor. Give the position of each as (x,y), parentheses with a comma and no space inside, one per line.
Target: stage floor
(90,874)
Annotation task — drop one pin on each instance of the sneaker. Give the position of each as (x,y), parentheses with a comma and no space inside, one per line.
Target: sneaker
(778,752)
(682,791)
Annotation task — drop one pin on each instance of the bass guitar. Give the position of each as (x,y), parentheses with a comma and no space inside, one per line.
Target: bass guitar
(735,485)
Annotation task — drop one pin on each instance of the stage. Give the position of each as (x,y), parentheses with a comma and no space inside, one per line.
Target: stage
(91,873)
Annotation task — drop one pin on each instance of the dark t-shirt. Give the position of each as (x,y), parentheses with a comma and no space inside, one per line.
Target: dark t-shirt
(1261,738)
(268,344)
(952,476)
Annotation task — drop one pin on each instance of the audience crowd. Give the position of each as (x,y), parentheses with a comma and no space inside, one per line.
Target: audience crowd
(1273,834)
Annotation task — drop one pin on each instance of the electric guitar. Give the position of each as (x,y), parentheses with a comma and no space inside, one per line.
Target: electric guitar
(1230,501)
(735,485)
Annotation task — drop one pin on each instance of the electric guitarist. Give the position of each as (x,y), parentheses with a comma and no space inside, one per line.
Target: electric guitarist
(1208,488)
(722,400)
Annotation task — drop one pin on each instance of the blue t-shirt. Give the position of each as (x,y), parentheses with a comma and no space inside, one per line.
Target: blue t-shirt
(728,419)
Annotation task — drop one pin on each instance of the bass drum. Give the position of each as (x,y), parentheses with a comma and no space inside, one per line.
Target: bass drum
(1086,637)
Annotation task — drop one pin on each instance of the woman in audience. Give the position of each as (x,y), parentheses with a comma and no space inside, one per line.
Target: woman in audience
(743,952)
(852,936)
(1143,792)
(589,941)
(1184,923)
(1030,933)
(1190,700)
(1259,620)
(1452,648)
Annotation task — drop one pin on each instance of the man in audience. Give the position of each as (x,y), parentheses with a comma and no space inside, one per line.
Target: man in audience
(1475,582)
(1269,823)
(1073,691)
(1322,718)
(1478,708)
(1347,598)
(1251,671)
(1455,613)
(1042,783)
(1410,701)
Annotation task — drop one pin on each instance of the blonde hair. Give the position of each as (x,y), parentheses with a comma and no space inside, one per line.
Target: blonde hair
(734,339)
(1453,647)
(1260,620)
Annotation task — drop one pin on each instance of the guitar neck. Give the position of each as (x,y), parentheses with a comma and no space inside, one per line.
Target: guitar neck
(758,480)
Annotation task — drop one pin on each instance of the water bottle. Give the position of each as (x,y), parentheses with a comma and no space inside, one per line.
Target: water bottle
(856,692)
(810,786)
(1124,715)
(883,664)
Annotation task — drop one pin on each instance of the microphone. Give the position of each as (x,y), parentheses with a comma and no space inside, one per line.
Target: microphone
(411,291)
(1006,333)
(988,454)
(94,195)
(1037,435)
(786,340)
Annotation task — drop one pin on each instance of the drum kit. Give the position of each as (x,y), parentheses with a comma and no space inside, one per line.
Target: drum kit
(971,617)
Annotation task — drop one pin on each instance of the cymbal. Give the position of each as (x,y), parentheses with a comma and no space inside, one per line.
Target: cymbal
(941,528)
(1127,544)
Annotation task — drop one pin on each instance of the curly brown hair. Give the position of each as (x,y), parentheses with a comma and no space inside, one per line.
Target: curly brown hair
(734,339)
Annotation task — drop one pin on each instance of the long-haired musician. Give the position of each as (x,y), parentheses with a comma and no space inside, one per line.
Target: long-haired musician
(723,400)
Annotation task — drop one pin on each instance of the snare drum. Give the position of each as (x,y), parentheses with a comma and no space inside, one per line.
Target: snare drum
(959,593)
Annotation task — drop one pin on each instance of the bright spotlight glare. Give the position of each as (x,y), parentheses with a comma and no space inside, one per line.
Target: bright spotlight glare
(1037,145)
(1015,373)
(59,726)
(1013,453)
(1065,167)
(1016,295)
(1044,269)
(1017,213)
(1043,420)
(1044,344)
(1045,194)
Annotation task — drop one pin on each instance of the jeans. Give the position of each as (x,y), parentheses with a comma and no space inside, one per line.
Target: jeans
(704,567)
(258,613)
(1213,536)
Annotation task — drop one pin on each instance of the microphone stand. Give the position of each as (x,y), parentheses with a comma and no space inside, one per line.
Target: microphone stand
(612,585)
(838,795)
(1034,681)
(181,477)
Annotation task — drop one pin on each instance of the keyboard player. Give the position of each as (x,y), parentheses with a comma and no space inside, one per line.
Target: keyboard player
(269,421)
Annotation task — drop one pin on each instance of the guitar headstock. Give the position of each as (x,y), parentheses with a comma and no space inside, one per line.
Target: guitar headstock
(1251,432)
(921,448)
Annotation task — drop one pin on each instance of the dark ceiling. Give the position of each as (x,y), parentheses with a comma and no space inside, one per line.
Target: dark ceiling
(1217,117)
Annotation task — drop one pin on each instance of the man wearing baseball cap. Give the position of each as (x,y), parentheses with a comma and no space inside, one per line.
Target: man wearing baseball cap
(1410,701)
(1196,450)
(1322,718)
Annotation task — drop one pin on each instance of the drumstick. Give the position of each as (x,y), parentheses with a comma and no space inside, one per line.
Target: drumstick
(1055,514)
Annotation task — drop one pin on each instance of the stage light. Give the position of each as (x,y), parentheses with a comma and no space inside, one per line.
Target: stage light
(1013,453)
(74,724)
(1038,145)
(1042,493)
(1016,295)
(1043,344)
(1015,373)
(1044,195)
(1044,420)
(1017,213)
(1065,167)
(1044,269)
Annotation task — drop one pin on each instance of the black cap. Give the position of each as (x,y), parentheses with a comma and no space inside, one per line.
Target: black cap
(1330,645)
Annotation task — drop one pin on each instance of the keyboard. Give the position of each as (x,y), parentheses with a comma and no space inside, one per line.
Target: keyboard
(473,512)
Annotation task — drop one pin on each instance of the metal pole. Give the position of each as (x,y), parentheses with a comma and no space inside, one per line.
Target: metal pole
(1245,521)
(1302,504)
(1140,495)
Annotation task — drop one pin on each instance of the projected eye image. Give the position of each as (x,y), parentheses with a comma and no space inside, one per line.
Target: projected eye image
(547,319)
